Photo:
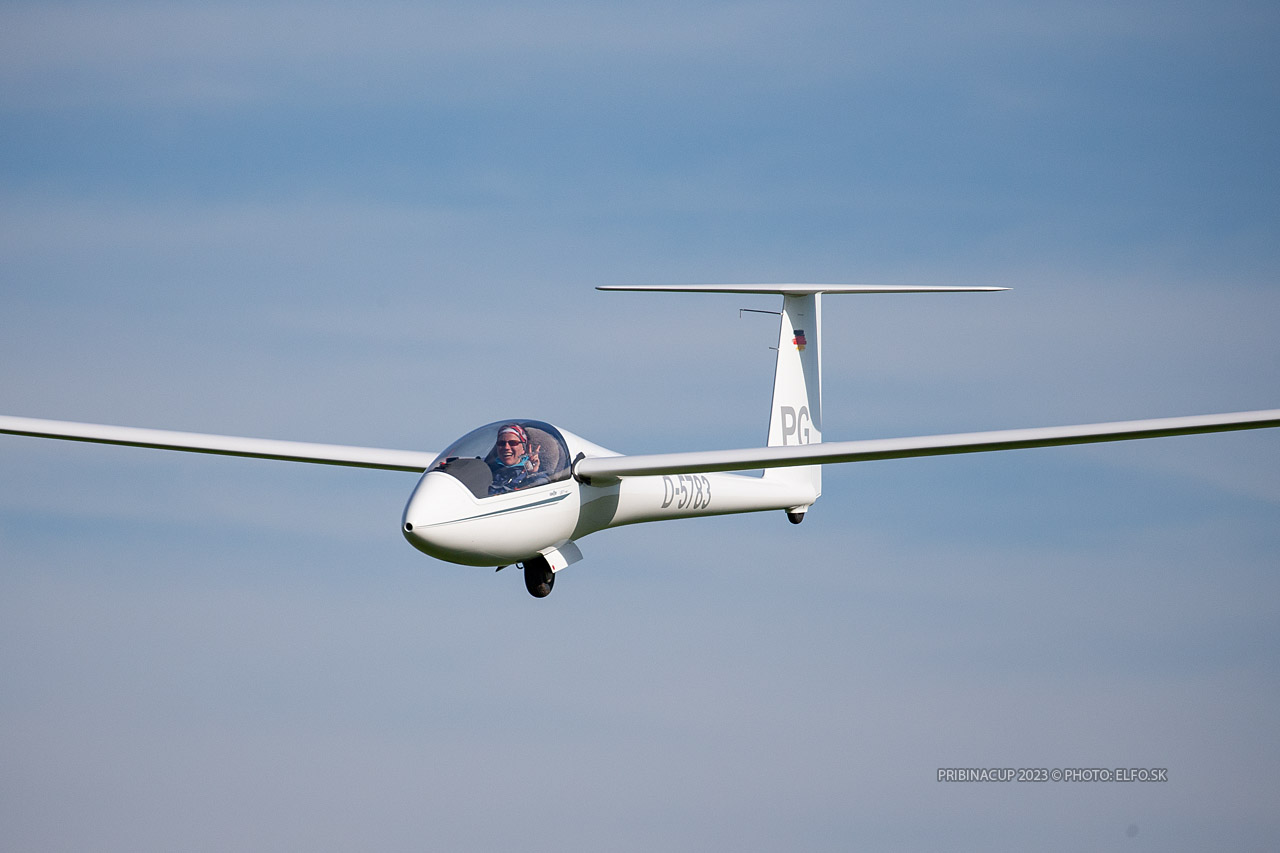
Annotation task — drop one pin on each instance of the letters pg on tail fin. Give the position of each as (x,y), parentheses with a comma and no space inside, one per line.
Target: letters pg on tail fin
(795,415)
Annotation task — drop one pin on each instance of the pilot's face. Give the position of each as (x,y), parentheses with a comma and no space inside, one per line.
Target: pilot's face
(510,448)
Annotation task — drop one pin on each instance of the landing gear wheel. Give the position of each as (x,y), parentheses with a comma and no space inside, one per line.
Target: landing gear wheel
(538,577)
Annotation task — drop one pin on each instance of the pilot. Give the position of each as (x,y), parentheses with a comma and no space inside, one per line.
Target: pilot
(513,462)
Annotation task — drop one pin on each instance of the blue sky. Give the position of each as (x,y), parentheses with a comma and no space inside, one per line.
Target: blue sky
(382,226)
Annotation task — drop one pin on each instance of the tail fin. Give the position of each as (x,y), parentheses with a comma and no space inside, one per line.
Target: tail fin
(795,416)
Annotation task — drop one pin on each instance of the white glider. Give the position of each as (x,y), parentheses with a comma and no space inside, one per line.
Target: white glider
(524,491)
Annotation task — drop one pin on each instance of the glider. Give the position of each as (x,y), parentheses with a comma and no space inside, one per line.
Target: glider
(525,492)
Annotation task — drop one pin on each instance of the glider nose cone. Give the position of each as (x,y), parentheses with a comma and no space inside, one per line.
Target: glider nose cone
(437,502)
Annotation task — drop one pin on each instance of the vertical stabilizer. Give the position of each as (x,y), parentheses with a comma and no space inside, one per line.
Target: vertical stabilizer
(795,415)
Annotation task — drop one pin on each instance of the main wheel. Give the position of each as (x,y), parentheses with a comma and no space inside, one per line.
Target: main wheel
(538,577)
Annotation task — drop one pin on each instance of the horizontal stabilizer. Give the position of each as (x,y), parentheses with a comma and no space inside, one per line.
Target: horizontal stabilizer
(798,288)
(605,469)
(223,445)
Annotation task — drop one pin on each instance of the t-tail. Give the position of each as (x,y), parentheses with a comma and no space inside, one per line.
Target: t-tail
(795,414)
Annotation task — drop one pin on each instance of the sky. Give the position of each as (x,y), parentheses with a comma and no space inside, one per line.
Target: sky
(382,226)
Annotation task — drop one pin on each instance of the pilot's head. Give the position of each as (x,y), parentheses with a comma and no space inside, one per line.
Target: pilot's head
(512,445)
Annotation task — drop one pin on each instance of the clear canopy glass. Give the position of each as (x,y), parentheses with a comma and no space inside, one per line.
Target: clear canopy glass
(506,456)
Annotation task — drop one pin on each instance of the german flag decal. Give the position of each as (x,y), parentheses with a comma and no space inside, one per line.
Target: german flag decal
(799,340)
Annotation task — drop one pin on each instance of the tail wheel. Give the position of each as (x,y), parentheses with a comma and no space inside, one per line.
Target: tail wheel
(538,577)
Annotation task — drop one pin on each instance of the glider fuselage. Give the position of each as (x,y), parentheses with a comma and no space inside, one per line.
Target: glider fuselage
(455,515)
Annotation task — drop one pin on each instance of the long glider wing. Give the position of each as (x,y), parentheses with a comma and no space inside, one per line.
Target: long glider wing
(224,445)
(606,469)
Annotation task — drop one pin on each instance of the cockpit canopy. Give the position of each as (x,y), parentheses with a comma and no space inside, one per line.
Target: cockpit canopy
(533,454)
